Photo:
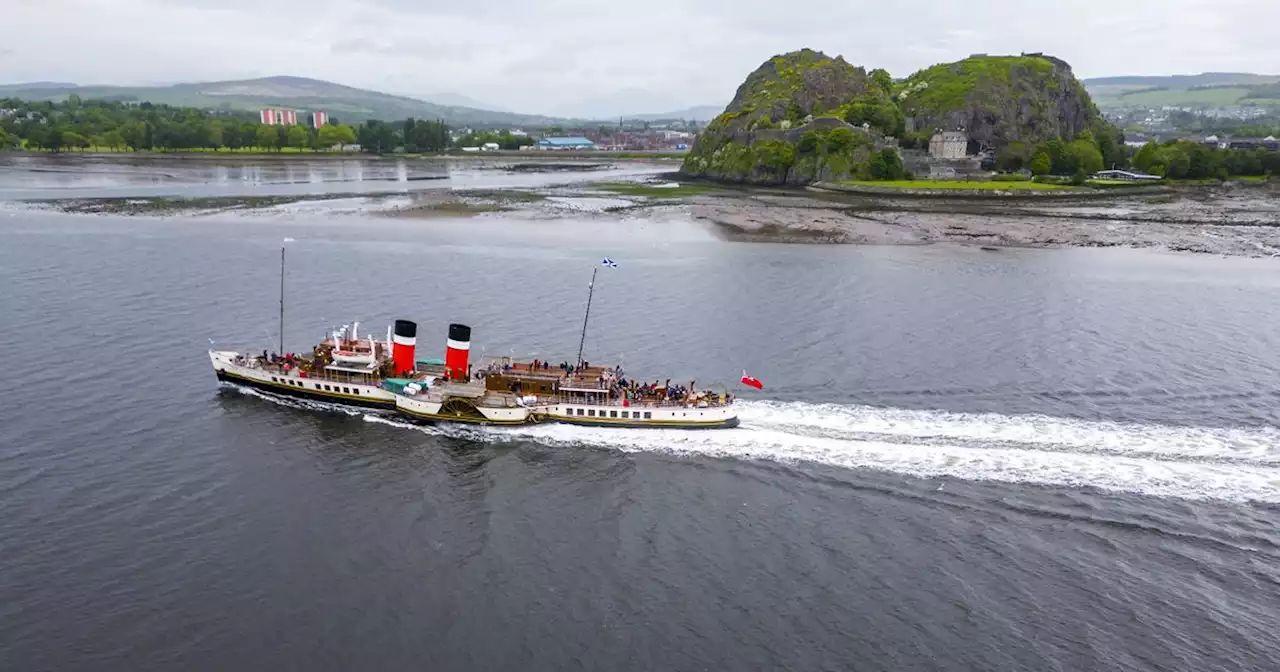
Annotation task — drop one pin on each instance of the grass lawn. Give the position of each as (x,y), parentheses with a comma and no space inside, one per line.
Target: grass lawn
(957,185)
(653,190)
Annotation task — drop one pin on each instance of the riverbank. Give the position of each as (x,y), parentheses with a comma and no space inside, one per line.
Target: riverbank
(1226,219)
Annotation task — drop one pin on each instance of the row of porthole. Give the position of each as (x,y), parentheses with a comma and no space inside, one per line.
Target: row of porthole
(613,414)
(343,390)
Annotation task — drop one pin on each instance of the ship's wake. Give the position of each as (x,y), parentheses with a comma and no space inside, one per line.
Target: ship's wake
(1236,464)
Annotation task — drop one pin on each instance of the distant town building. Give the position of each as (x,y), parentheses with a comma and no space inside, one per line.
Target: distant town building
(949,145)
(566,143)
(319,119)
(490,147)
(1268,143)
(274,116)
(1125,175)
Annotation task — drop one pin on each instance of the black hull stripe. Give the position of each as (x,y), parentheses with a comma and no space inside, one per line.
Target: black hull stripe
(305,393)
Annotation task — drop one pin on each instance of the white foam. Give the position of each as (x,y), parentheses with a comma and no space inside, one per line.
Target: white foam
(1142,459)
(1234,464)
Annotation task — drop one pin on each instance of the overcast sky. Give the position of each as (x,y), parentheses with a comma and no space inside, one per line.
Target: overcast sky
(584,56)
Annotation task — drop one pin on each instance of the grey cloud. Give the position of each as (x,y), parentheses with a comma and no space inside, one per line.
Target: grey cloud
(428,50)
(554,54)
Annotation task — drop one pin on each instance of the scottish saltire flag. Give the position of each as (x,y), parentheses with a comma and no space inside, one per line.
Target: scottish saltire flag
(608,262)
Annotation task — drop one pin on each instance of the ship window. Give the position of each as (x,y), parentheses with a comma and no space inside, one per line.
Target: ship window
(328,389)
(626,414)
(273,379)
(613,414)
(580,411)
(647,415)
(317,386)
(346,390)
(591,412)
(355,390)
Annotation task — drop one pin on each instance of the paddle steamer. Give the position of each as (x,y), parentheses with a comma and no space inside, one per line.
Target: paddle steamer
(347,369)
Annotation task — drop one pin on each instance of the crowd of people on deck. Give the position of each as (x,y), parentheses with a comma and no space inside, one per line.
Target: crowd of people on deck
(621,388)
(631,390)
(286,361)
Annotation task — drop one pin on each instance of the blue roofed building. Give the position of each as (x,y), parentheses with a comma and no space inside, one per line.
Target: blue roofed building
(566,143)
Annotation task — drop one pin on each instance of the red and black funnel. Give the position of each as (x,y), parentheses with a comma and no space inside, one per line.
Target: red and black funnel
(404,340)
(458,352)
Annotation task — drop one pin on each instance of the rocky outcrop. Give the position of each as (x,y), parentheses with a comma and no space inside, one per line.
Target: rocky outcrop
(787,123)
(805,117)
(998,100)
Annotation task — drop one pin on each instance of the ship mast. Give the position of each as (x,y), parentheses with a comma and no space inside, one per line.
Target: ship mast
(590,290)
(281,300)
(281,341)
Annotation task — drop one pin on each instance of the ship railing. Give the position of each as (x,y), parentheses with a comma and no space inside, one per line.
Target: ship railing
(638,403)
(371,378)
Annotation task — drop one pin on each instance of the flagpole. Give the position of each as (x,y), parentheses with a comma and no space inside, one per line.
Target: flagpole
(590,291)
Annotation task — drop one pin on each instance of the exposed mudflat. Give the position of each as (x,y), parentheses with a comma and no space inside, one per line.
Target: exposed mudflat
(1240,221)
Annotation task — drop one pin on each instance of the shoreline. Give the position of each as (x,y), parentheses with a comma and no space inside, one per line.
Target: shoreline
(1205,219)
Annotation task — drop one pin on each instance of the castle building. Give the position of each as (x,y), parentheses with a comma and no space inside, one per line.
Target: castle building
(949,145)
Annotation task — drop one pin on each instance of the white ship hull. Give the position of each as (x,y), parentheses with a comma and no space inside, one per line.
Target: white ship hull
(639,415)
(242,369)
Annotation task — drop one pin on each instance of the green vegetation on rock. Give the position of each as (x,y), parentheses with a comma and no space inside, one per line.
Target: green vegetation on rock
(999,100)
(803,117)
(798,118)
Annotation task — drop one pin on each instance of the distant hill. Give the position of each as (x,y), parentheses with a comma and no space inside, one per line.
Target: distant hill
(344,102)
(1207,89)
(452,99)
(696,113)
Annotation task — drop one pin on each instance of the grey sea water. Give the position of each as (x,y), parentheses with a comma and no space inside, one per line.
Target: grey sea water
(962,460)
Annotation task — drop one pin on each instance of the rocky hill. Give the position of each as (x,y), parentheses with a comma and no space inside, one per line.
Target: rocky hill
(803,116)
(798,118)
(999,100)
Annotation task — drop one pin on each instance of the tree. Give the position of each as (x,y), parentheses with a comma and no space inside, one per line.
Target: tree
(1083,155)
(776,155)
(112,139)
(6,140)
(1057,151)
(331,135)
(1111,146)
(893,164)
(1145,159)
(326,136)
(882,79)
(1041,164)
(213,135)
(266,137)
(298,137)
(840,141)
(1013,156)
(1171,162)
(54,140)
(376,137)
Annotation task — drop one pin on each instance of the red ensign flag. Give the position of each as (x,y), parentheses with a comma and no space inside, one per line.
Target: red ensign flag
(753,382)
